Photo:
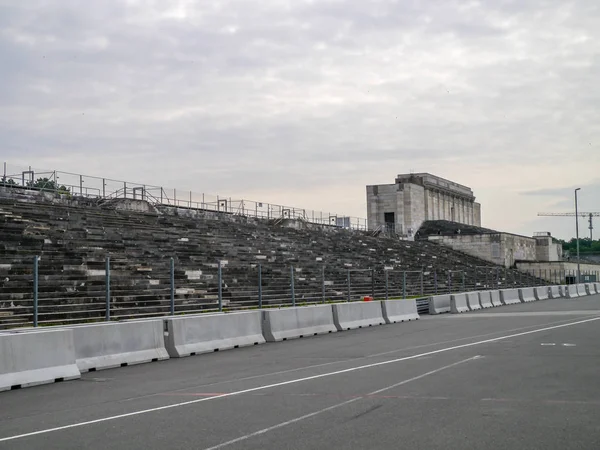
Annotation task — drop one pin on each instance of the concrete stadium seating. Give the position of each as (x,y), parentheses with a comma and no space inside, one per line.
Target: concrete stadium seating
(36,357)
(527,295)
(473,301)
(347,316)
(439,304)
(571,291)
(395,311)
(108,345)
(288,323)
(141,244)
(485,298)
(458,303)
(509,296)
(203,333)
(555,292)
(541,293)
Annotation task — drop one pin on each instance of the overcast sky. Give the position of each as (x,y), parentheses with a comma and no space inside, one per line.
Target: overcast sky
(306,102)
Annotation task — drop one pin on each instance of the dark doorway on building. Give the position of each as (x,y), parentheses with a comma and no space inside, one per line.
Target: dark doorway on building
(390,221)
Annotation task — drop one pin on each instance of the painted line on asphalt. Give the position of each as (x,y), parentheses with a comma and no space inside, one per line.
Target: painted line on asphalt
(294,381)
(339,405)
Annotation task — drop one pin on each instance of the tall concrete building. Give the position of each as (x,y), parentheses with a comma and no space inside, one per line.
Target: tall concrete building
(416,197)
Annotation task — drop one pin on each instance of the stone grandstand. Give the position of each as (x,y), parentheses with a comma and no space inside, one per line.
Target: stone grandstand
(73,237)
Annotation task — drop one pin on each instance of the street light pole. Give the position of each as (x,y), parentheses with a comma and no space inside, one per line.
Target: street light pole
(577,236)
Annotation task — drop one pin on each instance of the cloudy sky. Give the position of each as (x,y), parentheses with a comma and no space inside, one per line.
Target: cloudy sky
(305,102)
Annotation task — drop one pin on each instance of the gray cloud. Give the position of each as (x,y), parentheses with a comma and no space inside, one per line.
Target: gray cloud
(282,97)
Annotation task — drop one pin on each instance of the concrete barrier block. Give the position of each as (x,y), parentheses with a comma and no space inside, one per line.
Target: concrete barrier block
(589,289)
(347,316)
(458,303)
(527,295)
(496,298)
(37,357)
(597,288)
(554,292)
(509,296)
(581,290)
(108,345)
(485,299)
(399,310)
(191,335)
(571,290)
(473,301)
(541,293)
(439,304)
(289,323)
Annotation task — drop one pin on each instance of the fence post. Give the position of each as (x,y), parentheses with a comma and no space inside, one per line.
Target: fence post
(220,281)
(449,282)
(348,282)
(172,278)
(386,284)
(35,289)
(373,283)
(323,283)
(260,294)
(422,291)
(435,287)
(464,287)
(292,286)
(107,275)
(497,277)
(404,285)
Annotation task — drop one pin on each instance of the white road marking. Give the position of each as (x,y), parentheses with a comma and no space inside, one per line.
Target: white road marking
(548,344)
(297,380)
(339,405)
(569,345)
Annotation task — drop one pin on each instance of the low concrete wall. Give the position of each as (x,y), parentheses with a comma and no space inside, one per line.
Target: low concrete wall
(458,303)
(190,335)
(108,345)
(439,304)
(473,301)
(287,323)
(347,316)
(485,299)
(527,295)
(509,296)
(37,357)
(399,310)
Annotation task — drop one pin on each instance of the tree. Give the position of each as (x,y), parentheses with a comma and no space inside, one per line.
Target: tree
(47,185)
(7,182)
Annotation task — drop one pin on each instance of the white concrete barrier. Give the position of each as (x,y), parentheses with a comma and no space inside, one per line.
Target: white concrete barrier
(527,295)
(37,357)
(554,292)
(347,316)
(439,304)
(589,289)
(496,298)
(108,345)
(191,335)
(473,301)
(571,290)
(581,290)
(509,296)
(399,310)
(458,303)
(541,292)
(597,287)
(563,289)
(289,323)
(485,298)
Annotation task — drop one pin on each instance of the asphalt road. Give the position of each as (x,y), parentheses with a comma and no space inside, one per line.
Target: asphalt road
(517,377)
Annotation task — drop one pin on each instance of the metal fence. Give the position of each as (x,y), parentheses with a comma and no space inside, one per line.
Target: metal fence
(107,190)
(35,292)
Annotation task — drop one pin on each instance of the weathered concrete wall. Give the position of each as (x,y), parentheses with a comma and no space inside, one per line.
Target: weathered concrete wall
(557,272)
(547,249)
(499,248)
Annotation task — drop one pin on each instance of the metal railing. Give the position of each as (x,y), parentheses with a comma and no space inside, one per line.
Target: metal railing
(106,189)
(34,292)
